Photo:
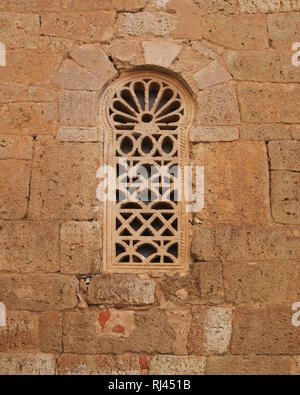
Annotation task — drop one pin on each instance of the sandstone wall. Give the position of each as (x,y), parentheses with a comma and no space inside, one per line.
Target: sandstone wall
(231,314)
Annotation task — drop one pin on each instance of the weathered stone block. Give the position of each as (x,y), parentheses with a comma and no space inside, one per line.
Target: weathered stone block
(92,26)
(50,331)
(236,32)
(267,131)
(210,330)
(269,102)
(30,67)
(29,246)
(231,196)
(177,365)
(38,292)
(283,29)
(69,133)
(28,118)
(248,365)
(94,59)
(263,65)
(30,5)
(19,30)
(212,74)
(83,334)
(14,188)
(64,180)
(78,108)
(209,280)
(265,330)
(160,53)
(93,5)
(268,6)
(125,364)
(285,194)
(263,282)
(213,133)
(121,289)
(80,247)
(27,364)
(20,332)
(16,147)
(218,105)
(20,93)
(136,24)
(246,243)
(285,155)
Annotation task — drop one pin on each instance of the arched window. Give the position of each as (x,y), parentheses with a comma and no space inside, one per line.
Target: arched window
(146,117)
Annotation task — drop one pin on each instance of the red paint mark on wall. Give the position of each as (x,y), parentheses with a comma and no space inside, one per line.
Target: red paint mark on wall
(103,318)
(143,363)
(118,329)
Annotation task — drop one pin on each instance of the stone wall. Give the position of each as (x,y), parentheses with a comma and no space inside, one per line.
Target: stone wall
(231,314)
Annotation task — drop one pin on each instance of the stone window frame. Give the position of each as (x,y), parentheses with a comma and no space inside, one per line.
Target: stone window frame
(91,80)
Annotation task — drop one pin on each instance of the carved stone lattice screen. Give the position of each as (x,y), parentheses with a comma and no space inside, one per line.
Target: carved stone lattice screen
(147,117)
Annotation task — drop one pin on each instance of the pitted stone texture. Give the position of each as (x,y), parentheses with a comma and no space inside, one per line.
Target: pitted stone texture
(218,105)
(177,365)
(71,76)
(14,188)
(38,292)
(285,196)
(248,365)
(285,155)
(80,247)
(31,67)
(27,364)
(30,5)
(12,93)
(29,246)
(92,26)
(159,24)
(69,133)
(262,282)
(83,334)
(28,118)
(19,30)
(20,332)
(268,6)
(222,6)
(214,133)
(124,364)
(264,330)
(160,53)
(231,196)
(269,102)
(50,331)
(16,147)
(283,29)
(64,180)
(95,60)
(180,321)
(236,32)
(121,289)
(210,330)
(262,65)
(246,243)
(212,74)
(78,108)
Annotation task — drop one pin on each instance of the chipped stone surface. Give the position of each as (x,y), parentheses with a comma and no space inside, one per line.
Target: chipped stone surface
(268,6)
(160,53)
(177,365)
(212,74)
(121,288)
(285,155)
